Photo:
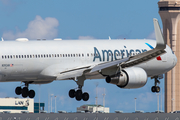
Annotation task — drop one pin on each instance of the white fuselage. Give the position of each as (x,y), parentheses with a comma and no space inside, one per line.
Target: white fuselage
(44,60)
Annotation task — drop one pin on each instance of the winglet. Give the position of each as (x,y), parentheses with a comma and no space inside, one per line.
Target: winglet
(159,36)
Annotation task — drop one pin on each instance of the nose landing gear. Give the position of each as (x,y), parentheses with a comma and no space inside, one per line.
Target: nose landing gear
(155,88)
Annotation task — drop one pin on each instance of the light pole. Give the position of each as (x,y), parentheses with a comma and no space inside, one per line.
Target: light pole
(39,98)
(157,102)
(51,101)
(55,103)
(135,103)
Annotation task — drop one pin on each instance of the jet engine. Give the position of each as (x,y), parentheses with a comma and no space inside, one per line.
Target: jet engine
(133,77)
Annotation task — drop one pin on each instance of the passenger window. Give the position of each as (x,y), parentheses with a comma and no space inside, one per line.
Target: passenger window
(49,55)
(57,55)
(44,55)
(74,55)
(27,56)
(38,56)
(16,56)
(30,56)
(41,56)
(54,55)
(68,55)
(2,57)
(24,56)
(10,56)
(88,54)
(79,55)
(82,55)
(19,56)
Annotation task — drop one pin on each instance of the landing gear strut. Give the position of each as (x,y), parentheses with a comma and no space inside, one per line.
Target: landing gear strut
(78,94)
(155,88)
(25,92)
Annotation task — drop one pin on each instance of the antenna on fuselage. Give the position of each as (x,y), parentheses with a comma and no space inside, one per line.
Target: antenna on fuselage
(2,39)
(109,38)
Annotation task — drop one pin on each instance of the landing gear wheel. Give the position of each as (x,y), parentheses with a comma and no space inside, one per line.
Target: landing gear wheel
(31,94)
(24,92)
(153,89)
(157,89)
(78,95)
(72,93)
(85,96)
(18,90)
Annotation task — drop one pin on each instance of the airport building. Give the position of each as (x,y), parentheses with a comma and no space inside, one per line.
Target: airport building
(93,108)
(20,105)
(16,105)
(169,11)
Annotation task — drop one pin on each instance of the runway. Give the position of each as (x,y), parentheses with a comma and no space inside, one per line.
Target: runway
(90,116)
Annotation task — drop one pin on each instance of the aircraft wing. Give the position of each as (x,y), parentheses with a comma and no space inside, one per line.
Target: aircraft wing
(140,58)
(126,62)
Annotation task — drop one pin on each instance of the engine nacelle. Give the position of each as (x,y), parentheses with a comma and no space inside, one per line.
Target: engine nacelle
(133,77)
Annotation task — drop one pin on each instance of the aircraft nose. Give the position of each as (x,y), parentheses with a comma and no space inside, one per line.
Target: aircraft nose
(175,60)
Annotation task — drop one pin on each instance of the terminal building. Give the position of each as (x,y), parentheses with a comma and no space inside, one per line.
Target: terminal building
(20,105)
(93,108)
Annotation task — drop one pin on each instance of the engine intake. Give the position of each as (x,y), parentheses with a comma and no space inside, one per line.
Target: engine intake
(133,77)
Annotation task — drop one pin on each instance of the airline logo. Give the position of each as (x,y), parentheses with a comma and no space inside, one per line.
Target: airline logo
(159,57)
(110,55)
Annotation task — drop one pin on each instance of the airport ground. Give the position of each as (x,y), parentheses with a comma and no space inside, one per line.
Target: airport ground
(90,116)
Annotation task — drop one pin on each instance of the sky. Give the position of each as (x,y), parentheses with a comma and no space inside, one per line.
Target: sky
(82,19)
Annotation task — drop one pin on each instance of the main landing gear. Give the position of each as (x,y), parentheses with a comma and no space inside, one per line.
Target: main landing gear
(155,88)
(25,92)
(78,94)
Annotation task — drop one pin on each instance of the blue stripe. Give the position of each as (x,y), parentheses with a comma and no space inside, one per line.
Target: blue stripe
(149,45)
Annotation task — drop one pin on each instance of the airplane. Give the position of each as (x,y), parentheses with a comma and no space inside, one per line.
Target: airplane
(125,63)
